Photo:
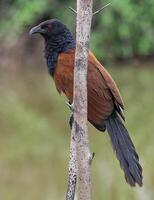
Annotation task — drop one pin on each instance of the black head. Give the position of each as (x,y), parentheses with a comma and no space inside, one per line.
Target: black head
(49,28)
(58,39)
(55,33)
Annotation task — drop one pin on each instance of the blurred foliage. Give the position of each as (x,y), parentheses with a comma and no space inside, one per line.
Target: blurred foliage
(35,137)
(124,30)
(127,29)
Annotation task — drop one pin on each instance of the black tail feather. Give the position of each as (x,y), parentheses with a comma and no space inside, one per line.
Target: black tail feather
(124,149)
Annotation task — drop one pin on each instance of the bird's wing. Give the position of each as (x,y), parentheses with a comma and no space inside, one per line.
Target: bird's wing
(108,80)
(100,101)
(114,91)
(103,93)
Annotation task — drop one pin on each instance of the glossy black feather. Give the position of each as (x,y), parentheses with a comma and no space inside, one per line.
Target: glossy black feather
(124,149)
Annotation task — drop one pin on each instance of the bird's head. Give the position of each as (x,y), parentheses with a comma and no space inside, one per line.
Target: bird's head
(49,28)
(57,36)
(58,39)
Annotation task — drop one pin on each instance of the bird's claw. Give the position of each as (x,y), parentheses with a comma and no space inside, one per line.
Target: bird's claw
(71,120)
(70,105)
(91,158)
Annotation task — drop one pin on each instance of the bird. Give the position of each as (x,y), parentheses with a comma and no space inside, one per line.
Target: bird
(105,104)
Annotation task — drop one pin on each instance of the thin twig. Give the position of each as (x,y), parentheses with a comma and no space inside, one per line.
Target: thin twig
(98,11)
(72,9)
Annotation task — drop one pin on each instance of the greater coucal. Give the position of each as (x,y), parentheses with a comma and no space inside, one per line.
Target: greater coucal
(105,105)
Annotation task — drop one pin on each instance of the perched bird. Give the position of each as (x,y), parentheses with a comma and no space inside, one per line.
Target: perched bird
(105,105)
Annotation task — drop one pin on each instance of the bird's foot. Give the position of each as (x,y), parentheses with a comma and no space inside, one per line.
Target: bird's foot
(71,106)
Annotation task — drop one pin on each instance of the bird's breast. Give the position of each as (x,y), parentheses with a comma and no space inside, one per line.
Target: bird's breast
(63,76)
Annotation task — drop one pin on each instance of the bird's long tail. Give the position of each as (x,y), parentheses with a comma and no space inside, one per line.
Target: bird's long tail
(124,149)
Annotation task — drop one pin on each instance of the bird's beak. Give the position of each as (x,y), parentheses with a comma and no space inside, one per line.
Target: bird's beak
(36,29)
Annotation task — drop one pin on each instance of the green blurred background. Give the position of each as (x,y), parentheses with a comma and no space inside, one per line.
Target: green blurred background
(34,142)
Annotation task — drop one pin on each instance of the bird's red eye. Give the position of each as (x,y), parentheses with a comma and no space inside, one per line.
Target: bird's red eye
(47,27)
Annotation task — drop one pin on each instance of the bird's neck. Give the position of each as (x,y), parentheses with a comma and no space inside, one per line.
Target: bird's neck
(56,45)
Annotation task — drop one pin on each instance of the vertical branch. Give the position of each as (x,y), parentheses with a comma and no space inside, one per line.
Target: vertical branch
(80,157)
(79,130)
(72,173)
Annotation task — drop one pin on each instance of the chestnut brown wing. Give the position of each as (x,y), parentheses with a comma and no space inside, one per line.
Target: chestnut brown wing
(100,101)
(103,93)
(108,80)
